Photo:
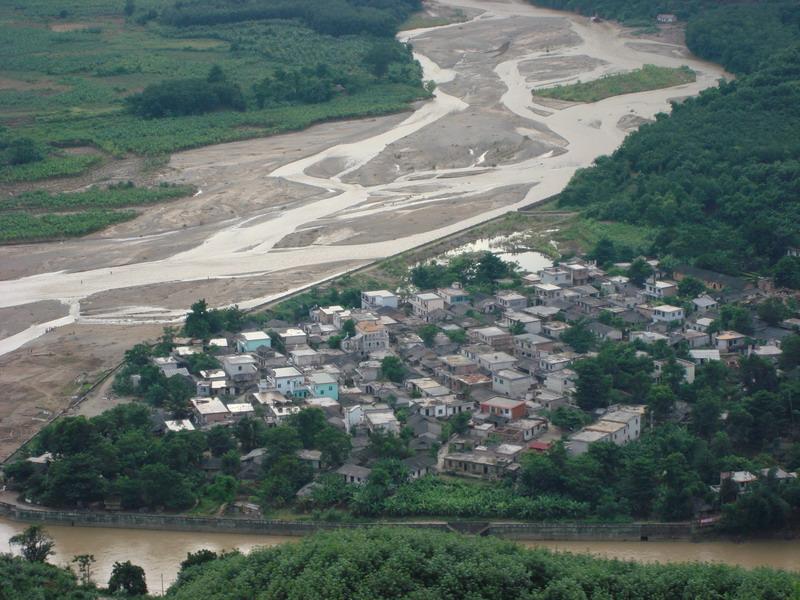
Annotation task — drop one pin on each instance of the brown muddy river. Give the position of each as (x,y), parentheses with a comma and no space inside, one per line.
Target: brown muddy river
(160,552)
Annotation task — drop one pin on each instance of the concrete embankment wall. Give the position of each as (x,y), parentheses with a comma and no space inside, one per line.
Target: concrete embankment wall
(622,532)
(521,531)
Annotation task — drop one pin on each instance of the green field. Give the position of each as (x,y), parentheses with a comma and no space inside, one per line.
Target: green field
(67,73)
(41,216)
(649,77)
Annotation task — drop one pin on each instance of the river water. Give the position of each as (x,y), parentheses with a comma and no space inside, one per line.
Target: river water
(161,552)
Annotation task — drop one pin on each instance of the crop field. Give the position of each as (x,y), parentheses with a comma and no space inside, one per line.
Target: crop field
(67,73)
(649,77)
(42,216)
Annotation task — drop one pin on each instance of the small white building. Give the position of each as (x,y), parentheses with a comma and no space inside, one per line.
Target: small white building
(210,411)
(660,289)
(496,361)
(555,276)
(666,313)
(512,383)
(287,380)
(378,299)
(241,410)
(250,341)
(425,304)
(511,300)
(293,337)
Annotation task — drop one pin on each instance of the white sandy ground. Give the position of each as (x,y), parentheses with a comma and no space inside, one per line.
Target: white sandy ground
(246,247)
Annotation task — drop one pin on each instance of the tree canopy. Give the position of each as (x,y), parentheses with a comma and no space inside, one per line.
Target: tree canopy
(393,563)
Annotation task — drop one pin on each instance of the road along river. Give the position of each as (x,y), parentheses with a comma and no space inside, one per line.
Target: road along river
(305,206)
(161,552)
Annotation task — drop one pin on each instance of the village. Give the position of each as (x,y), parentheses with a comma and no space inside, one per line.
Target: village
(472,382)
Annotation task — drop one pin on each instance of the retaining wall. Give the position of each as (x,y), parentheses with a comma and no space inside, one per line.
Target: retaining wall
(527,531)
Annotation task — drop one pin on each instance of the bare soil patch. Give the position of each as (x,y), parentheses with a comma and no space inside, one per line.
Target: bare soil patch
(40,379)
(14,319)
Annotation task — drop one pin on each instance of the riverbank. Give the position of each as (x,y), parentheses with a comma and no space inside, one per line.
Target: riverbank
(511,530)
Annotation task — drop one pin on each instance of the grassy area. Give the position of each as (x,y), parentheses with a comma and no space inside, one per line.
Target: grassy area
(424,19)
(649,77)
(67,72)
(57,216)
(582,234)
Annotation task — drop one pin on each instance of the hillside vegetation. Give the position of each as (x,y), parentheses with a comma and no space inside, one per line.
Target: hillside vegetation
(392,563)
(716,180)
(150,77)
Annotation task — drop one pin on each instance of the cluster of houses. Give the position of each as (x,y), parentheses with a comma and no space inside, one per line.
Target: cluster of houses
(500,359)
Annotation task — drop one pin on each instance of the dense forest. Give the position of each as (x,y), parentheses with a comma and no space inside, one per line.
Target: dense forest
(718,178)
(331,17)
(392,563)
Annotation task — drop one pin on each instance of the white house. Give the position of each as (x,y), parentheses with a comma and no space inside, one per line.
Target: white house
(660,289)
(666,313)
(287,380)
(250,341)
(454,295)
(511,300)
(210,411)
(378,299)
(425,304)
(555,276)
(512,383)
(496,361)
(701,356)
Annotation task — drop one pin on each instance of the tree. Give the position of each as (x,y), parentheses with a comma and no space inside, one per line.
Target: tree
(387,445)
(732,316)
(35,545)
(639,271)
(84,562)
(660,402)
(604,252)
(200,557)
(309,424)
(283,478)
(705,415)
(349,328)
(568,418)
(220,440)
(334,445)
(231,463)
(223,488)
(392,369)
(201,322)
(130,7)
(790,352)
(679,484)
(787,272)
(517,328)
(673,374)
(773,311)
(128,579)
(691,287)
(251,433)
(593,389)
(579,337)
(428,334)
